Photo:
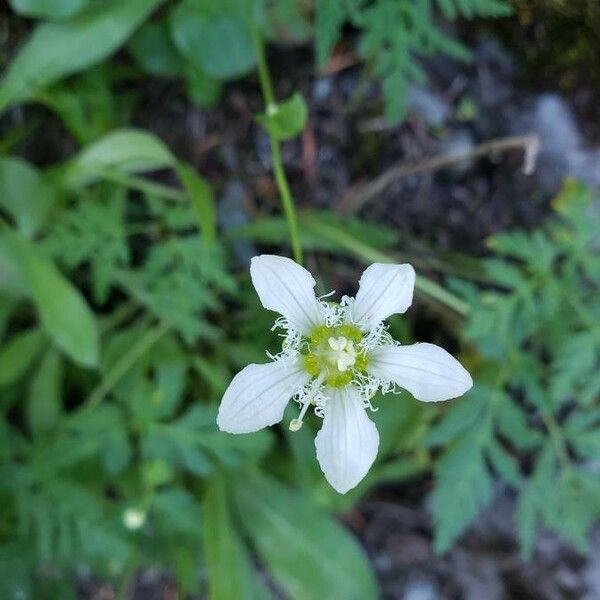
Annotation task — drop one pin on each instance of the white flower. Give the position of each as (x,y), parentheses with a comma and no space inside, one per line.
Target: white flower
(335,357)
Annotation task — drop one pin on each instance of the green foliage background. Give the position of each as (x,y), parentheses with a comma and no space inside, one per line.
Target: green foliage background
(123,318)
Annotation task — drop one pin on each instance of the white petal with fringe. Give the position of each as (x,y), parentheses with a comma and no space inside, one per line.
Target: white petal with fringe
(348,440)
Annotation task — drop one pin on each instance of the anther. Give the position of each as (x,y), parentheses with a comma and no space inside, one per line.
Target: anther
(295,424)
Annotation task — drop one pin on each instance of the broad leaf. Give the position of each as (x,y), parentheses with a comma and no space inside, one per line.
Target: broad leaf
(123,151)
(230,572)
(127,151)
(287,119)
(61,308)
(24,194)
(309,554)
(217,41)
(44,401)
(155,52)
(56,50)
(48,9)
(18,354)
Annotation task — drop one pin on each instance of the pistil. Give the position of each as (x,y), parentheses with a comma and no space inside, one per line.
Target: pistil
(342,354)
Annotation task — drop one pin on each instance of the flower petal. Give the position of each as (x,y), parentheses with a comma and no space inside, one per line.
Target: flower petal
(287,288)
(427,371)
(383,290)
(348,441)
(258,395)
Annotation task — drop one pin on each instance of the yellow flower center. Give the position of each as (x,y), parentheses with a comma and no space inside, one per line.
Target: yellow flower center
(333,351)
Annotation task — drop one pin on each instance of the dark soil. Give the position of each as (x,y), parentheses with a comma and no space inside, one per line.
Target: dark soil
(485,564)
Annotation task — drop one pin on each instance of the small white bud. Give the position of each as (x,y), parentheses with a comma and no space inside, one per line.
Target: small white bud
(295,424)
(134,518)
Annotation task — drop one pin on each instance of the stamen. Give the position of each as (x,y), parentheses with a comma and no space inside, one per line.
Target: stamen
(296,424)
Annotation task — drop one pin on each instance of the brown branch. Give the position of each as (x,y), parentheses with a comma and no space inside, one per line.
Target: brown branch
(355,200)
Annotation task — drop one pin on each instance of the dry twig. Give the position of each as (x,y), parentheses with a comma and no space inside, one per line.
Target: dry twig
(355,200)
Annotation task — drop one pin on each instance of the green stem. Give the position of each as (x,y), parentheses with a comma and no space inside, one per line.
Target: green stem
(286,200)
(263,70)
(557,438)
(121,314)
(122,592)
(431,289)
(278,170)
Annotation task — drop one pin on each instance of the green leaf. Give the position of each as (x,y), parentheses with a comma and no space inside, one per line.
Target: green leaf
(122,151)
(154,51)
(203,89)
(393,35)
(273,230)
(505,274)
(61,308)
(86,104)
(24,195)
(574,506)
(126,151)
(44,400)
(103,431)
(18,354)
(526,520)
(178,511)
(470,8)
(515,243)
(397,422)
(230,573)
(215,40)
(180,443)
(103,248)
(7,305)
(308,553)
(461,416)
(505,464)
(573,199)
(330,17)
(14,286)
(194,442)
(532,498)
(575,361)
(56,50)
(512,424)
(583,432)
(48,9)
(286,119)
(201,197)
(463,488)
